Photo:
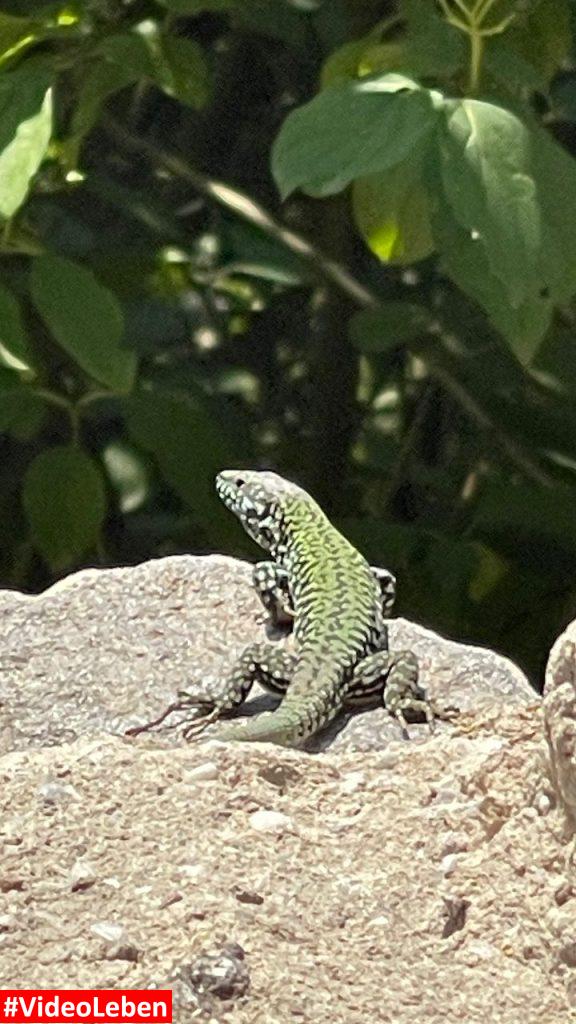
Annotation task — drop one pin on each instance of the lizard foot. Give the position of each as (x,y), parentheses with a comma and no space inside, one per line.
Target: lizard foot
(184,702)
(419,705)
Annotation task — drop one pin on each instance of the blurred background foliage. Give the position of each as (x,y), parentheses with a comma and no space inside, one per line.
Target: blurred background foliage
(336,238)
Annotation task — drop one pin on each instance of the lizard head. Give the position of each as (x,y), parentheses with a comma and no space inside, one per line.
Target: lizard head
(261,500)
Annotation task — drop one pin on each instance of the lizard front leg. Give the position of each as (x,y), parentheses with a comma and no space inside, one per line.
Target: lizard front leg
(394,677)
(272,585)
(387,584)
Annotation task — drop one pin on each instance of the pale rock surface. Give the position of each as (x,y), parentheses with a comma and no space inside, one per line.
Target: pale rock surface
(422,882)
(107,649)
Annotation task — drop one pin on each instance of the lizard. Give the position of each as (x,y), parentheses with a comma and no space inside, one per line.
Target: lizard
(338,605)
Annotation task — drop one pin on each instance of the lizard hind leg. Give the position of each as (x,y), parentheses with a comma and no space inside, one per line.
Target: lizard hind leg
(393,678)
(260,663)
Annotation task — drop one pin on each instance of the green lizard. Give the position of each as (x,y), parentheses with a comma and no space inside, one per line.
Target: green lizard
(338,603)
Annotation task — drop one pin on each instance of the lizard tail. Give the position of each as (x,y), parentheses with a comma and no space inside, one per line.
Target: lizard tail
(301,714)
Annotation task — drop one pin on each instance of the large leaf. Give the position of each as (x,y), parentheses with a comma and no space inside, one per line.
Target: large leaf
(555,172)
(465,260)
(392,213)
(191,442)
(65,504)
(182,72)
(119,61)
(542,35)
(350,130)
(15,33)
(25,128)
(85,318)
(488,182)
(522,313)
(22,411)
(14,349)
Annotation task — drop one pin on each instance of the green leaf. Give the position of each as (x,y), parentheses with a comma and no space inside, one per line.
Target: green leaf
(342,64)
(433,47)
(15,33)
(127,50)
(522,314)
(85,318)
(181,70)
(25,128)
(191,442)
(543,35)
(119,61)
(350,130)
(22,412)
(256,254)
(555,172)
(465,261)
(395,323)
(14,349)
(65,504)
(392,213)
(487,178)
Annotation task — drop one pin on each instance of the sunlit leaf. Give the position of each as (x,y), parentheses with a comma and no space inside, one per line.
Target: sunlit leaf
(350,130)
(25,128)
(488,181)
(14,348)
(392,213)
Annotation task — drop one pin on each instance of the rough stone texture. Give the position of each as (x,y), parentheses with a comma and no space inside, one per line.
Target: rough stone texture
(424,882)
(107,649)
(560,719)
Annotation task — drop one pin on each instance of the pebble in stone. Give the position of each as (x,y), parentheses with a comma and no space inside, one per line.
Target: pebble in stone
(270,821)
(203,772)
(352,781)
(107,930)
(449,864)
(123,951)
(57,792)
(220,973)
(82,876)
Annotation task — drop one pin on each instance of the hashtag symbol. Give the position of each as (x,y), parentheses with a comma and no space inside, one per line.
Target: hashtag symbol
(10,1007)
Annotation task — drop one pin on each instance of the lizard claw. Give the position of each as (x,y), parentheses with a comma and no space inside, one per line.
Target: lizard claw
(198,725)
(185,701)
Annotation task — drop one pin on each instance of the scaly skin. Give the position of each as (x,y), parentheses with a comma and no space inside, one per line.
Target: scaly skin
(337,603)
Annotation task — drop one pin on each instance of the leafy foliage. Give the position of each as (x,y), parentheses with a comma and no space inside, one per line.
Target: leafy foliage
(330,236)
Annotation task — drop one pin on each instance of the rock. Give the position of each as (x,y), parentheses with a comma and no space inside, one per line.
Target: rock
(390,871)
(560,719)
(109,649)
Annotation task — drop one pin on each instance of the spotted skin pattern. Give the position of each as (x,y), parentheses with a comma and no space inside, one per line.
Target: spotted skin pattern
(337,603)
